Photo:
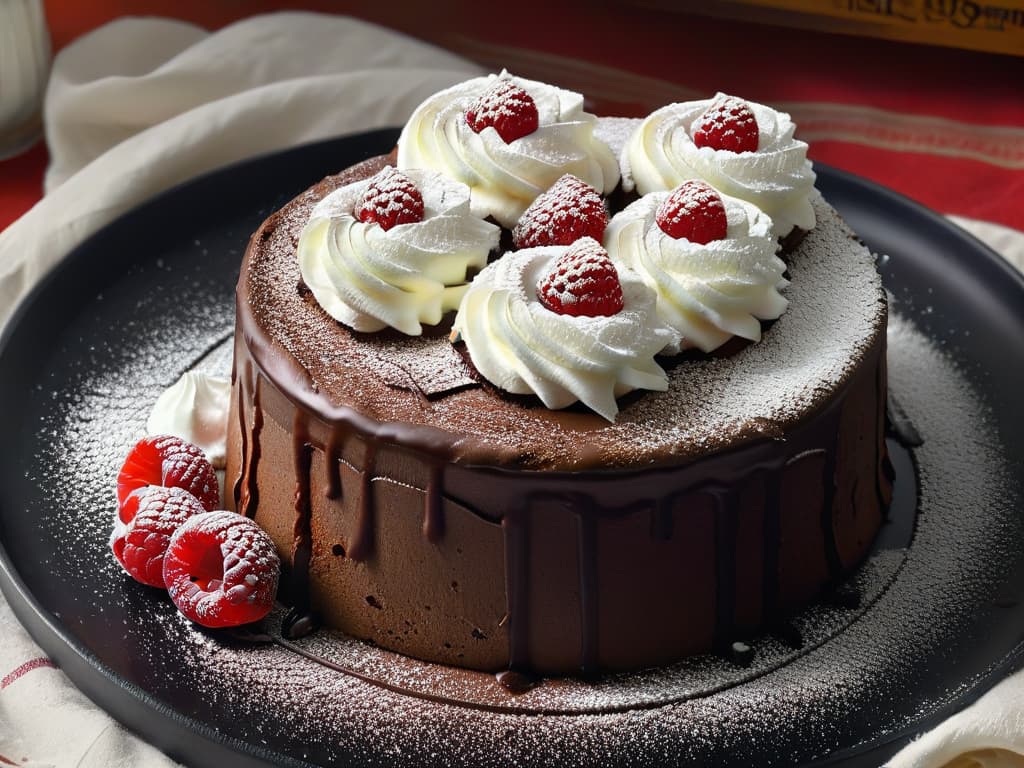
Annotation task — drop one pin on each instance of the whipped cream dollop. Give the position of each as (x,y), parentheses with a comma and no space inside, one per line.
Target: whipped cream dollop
(522,347)
(369,278)
(195,408)
(778,177)
(707,293)
(506,178)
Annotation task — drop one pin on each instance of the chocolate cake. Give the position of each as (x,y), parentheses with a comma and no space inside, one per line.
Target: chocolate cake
(419,506)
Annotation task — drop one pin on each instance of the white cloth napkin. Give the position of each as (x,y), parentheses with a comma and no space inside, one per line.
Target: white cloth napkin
(142,104)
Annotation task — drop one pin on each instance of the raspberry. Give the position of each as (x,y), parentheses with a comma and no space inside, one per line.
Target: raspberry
(221,570)
(694,211)
(582,281)
(507,108)
(168,461)
(389,199)
(140,543)
(727,124)
(569,210)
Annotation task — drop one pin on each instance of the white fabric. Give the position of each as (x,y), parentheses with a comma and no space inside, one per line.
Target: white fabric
(142,104)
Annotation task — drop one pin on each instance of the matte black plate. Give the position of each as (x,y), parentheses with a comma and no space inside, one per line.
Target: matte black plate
(153,292)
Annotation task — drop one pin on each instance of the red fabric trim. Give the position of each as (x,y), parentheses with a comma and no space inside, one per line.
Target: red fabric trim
(24,669)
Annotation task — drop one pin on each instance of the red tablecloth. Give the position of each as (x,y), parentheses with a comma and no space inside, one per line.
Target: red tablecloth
(942,125)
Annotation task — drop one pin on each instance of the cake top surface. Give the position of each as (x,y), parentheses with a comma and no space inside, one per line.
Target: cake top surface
(423,385)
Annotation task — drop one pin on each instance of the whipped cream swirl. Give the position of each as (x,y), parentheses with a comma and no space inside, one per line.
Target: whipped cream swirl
(707,293)
(778,177)
(370,278)
(522,347)
(195,408)
(506,178)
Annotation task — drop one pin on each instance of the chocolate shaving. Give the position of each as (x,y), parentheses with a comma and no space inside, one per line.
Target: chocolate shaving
(429,366)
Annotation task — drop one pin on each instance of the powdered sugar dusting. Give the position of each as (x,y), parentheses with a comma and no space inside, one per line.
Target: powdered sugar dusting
(390,198)
(867,671)
(836,311)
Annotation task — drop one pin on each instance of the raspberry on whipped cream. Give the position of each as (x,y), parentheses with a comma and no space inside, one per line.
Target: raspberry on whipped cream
(523,347)
(506,176)
(706,292)
(777,177)
(404,276)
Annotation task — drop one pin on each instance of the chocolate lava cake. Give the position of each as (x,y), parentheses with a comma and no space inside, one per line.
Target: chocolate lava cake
(418,506)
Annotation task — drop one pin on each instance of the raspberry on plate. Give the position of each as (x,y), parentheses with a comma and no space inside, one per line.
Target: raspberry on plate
(694,211)
(168,461)
(140,543)
(582,281)
(568,210)
(729,124)
(221,570)
(507,108)
(391,198)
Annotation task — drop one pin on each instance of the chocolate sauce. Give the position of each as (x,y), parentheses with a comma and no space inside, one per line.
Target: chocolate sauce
(586,546)
(239,382)
(251,497)
(302,528)
(772,540)
(516,530)
(741,654)
(828,516)
(298,624)
(662,520)
(845,596)
(245,490)
(900,425)
(433,513)
(788,633)
(332,458)
(517,683)
(726,528)
(362,542)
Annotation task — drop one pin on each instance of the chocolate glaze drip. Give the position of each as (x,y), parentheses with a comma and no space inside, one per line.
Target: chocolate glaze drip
(298,623)
(886,474)
(251,494)
(517,683)
(772,537)
(741,653)
(236,489)
(302,530)
(433,513)
(662,521)
(828,529)
(787,632)
(246,491)
(900,425)
(361,546)
(332,452)
(516,529)
(586,537)
(726,528)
